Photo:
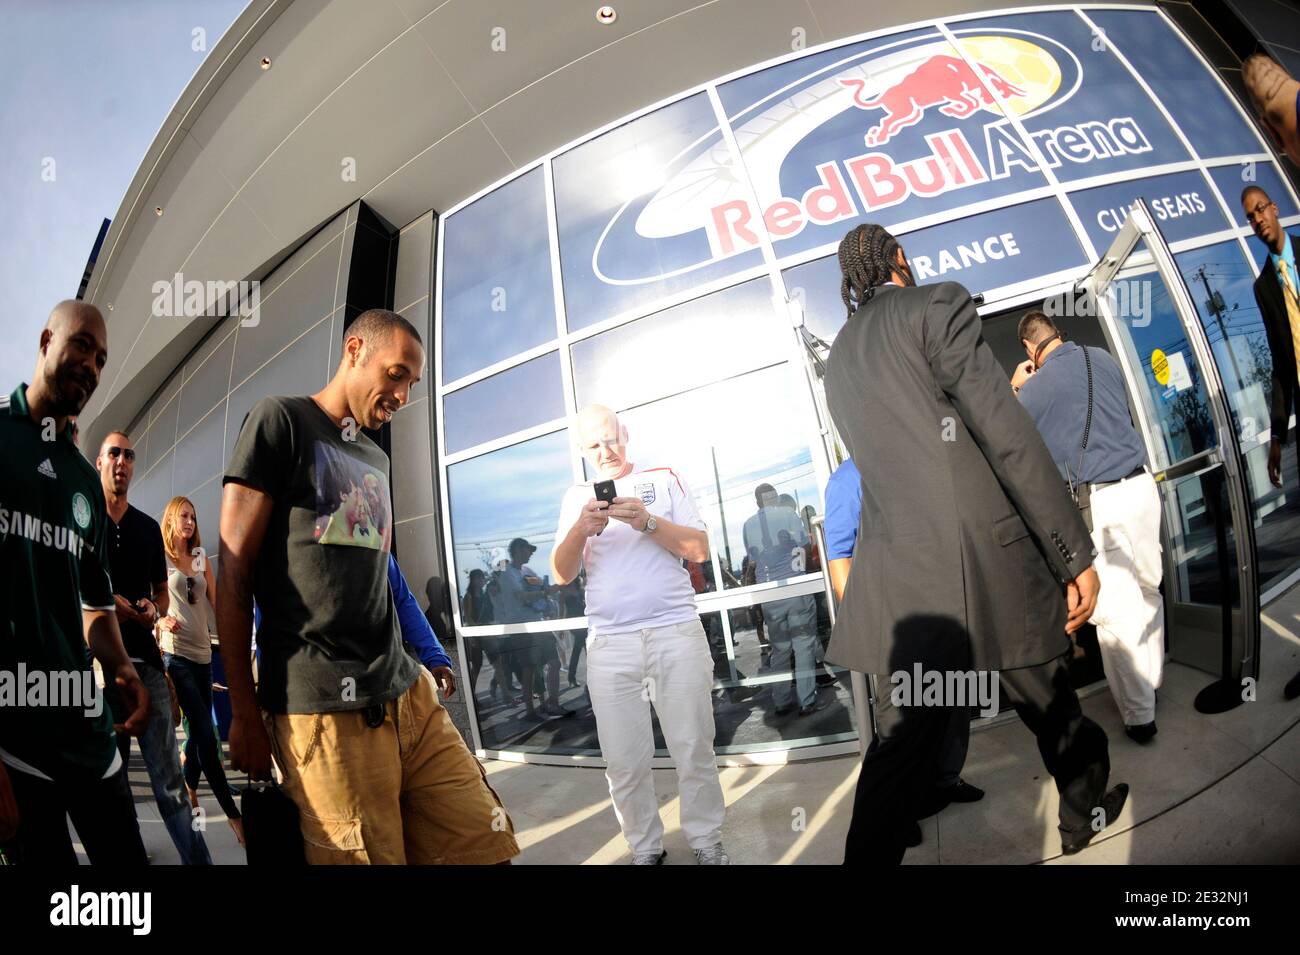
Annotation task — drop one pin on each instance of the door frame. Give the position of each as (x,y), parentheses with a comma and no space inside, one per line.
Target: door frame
(1240,654)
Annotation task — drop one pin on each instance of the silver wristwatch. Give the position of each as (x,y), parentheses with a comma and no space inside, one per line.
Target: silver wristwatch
(650,524)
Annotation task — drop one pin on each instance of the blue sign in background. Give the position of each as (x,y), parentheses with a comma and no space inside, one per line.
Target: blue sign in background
(1181,203)
(1031,239)
(1180,81)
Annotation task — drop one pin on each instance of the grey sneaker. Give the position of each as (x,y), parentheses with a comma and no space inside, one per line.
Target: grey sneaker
(650,858)
(713,855)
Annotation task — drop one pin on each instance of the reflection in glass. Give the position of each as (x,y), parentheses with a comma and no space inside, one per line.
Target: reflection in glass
(1222,286)
(1174,397)
(497,297)
(752,683)
(816,285)
(1193,505)
(502,703)
(776,685)
(513,400)
(720,335)
(500,496)
(633,210)
(725,441)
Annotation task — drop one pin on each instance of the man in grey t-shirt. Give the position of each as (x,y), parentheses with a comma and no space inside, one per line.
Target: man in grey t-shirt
(306,532)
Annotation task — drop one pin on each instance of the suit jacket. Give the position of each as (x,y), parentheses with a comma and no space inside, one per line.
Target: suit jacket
(1272,308)
(966,522)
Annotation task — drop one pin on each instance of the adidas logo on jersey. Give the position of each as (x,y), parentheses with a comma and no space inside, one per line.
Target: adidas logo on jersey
(46,468)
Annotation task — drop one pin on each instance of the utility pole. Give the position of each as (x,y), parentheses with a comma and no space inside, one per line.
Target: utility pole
(717,481)
(1214,302)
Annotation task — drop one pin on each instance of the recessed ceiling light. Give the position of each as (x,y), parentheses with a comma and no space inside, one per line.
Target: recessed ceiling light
(606,15)
(266,62)
(110,306)
(157,210)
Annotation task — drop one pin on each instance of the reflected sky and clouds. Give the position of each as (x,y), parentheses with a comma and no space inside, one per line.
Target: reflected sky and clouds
(723,334)
(511,401)
(724,440)
(514,492)
(1178,407)
(1233,327)
(496,282)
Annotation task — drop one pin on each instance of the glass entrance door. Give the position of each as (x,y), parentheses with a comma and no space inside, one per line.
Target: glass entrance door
(1179,405)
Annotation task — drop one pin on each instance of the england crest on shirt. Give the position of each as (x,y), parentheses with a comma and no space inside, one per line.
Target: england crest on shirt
(647,493)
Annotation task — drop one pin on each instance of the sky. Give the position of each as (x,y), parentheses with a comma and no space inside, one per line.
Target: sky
(84,87)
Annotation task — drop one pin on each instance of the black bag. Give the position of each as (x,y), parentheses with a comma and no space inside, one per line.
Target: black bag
(272,834)
(1081,491)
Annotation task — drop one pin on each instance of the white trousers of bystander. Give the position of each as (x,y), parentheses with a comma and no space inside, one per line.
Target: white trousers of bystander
(670,668)
(1130,614)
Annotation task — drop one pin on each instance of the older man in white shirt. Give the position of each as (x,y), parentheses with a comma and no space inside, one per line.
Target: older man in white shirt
(645,643)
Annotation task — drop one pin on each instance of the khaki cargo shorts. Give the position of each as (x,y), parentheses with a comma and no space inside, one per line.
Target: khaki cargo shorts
(406,792)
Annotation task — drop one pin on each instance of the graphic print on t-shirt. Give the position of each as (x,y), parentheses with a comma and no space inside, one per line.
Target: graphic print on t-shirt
(353,506)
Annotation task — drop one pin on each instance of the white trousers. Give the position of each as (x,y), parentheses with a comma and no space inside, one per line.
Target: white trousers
(1130,615)
(671,668)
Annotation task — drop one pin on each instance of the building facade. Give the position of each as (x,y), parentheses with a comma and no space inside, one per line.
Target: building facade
(676,261)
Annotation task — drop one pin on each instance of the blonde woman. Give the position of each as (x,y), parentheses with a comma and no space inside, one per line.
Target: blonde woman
(187,651)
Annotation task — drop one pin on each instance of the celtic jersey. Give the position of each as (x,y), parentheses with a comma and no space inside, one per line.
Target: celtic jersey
(53,722)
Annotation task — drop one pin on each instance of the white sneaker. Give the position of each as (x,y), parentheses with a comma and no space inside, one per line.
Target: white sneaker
(650,858)
(713,855)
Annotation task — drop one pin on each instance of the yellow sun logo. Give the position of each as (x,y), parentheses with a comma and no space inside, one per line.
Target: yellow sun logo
(1024,65)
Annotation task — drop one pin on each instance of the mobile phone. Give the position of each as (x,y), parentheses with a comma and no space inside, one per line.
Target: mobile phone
(605,491)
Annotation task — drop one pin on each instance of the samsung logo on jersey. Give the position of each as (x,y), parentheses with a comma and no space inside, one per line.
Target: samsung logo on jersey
(40,532)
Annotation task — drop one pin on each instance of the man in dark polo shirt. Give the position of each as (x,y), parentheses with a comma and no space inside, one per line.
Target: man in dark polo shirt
(367,753)
(139,568)
(57,755)
(1125,505)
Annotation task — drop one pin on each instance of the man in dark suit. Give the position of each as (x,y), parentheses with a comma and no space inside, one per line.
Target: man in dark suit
(1276,291)
(971,555)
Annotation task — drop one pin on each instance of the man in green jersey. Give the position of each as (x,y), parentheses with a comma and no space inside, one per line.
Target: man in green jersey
(58,757)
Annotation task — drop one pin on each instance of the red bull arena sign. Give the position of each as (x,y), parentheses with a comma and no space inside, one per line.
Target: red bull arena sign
(932,130)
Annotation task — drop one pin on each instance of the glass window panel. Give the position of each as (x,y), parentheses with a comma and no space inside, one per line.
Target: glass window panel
(1182,83)
(496,497)
(816,285)
(777,688)
(724,441)
(523,396)
(1260,252)
(497,297)
(633,211)
(498,669)
(820,161)
(714,337)
(1151,333)
(1222,286)
(1100,120)
(1232,180)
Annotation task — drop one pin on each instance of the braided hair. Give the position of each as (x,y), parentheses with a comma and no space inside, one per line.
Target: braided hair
(868,257)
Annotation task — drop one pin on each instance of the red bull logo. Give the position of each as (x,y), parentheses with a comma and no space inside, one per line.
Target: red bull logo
(917,93)
(945,81)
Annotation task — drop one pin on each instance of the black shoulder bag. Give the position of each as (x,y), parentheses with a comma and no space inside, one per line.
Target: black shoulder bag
(1081,491)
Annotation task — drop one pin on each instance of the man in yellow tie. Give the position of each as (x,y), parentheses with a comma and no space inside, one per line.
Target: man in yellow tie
(1276,291)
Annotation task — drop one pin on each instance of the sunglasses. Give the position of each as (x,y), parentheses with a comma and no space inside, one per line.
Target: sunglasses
(113,451)
(189,589)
